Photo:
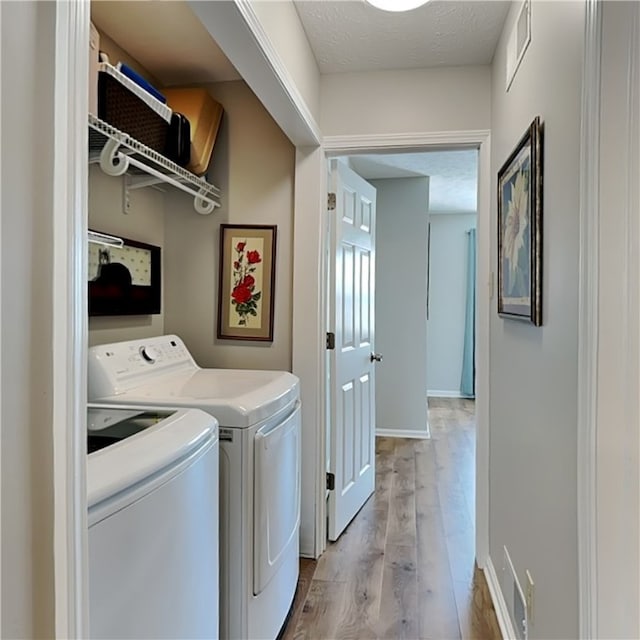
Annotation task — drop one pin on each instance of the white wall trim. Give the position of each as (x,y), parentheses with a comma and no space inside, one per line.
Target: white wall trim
(279,68)
(588,324)
(308,337)
(239,33)
(438,393)
(305,225)
(418,434)
(484,235)
(632,303)
(69,319)
(2,364)
(499,603)
(337,145)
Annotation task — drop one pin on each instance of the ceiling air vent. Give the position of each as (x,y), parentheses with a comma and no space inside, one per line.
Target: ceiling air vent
(518,42)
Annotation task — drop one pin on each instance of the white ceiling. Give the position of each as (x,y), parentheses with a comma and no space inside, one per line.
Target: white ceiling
(345,35)
(453,184)
(350,35)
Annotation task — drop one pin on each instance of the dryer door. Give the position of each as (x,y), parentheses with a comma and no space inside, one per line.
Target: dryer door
(276,505)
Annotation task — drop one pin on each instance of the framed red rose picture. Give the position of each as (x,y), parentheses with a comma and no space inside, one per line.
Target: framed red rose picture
(247,282)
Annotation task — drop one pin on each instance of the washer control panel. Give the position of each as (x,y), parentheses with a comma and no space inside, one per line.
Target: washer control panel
(117,367)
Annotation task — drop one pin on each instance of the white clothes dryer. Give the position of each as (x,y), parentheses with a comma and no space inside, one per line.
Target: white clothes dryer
(152,489)
(259,416)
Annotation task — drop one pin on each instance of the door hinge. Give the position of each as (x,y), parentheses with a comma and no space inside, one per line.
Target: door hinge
(331,481)
(331,201)
(331,340)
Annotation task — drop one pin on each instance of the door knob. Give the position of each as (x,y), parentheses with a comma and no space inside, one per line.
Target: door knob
(376,357)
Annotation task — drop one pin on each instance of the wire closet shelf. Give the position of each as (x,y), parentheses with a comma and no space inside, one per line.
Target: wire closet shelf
(118,154)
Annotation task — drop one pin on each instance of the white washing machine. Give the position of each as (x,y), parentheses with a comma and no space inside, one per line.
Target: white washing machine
(152,480)
(259,416)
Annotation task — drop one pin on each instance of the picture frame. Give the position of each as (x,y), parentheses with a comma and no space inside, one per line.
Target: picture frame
(246,290)
(123,279)
(519,227)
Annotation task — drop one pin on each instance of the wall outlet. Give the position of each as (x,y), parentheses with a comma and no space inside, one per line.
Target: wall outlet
(530,589)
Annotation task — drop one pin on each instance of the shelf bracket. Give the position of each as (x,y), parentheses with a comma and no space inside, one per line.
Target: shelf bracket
(202,203)
(112,162)
(204,206)
(141,182)
(126,201)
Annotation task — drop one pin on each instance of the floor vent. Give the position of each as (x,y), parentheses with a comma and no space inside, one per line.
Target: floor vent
(514,597)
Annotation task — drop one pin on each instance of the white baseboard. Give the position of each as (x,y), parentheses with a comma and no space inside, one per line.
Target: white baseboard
(499,604)
(435,393)
(422,434)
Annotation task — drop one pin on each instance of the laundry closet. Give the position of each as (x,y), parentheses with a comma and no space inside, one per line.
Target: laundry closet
(252,165)
(162,232)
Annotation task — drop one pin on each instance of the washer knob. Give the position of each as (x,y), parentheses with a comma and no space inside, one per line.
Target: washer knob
(150,354)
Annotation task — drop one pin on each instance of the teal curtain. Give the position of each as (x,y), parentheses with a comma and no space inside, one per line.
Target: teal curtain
(468,381)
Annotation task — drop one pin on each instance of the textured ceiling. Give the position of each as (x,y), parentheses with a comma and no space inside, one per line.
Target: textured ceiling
(345,35)
(453,184)
(350,35)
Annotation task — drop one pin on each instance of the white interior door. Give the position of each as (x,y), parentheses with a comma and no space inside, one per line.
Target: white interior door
(352,380)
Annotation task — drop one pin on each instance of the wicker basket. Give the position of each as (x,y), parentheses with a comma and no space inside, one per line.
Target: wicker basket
(122,108)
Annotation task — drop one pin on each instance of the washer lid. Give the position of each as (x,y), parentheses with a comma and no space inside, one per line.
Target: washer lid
(236,397)
(153,450)
(121,423)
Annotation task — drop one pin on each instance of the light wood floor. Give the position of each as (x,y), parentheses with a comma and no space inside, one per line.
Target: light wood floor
(404,568)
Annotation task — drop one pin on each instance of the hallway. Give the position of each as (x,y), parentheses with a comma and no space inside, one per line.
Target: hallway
(404,568)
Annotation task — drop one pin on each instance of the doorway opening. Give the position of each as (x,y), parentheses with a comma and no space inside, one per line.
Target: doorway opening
(402,449)
(478,144)
(424,317)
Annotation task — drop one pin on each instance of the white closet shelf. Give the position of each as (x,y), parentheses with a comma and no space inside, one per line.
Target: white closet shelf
(121,155)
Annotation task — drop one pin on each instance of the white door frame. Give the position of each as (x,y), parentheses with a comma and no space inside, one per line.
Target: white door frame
(69,285)
(2,365)
(588,319)
(605,538)
(352,145)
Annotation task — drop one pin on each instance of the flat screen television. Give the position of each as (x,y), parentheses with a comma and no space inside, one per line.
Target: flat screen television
(124,281)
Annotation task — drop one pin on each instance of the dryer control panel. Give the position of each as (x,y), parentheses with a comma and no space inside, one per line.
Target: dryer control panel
(121,366)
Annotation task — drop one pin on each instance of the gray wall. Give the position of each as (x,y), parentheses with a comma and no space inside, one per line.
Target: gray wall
(253,164)
(447,301)
(27,73)
(407,101)
(145,223)
(533,437)
(401,297)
